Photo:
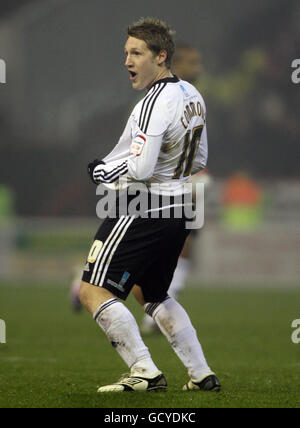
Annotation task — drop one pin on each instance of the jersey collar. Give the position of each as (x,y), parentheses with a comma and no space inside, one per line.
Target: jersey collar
(173,79)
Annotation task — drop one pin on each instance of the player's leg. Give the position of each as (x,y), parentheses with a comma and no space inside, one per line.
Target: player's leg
(113,317)
(171,317)
(148,325)
(91,297)
(122,331)
(183,266)
(175,324)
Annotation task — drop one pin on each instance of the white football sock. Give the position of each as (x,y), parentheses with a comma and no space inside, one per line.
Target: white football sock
(179,277)
(147,323)
(175,324)
(120,327)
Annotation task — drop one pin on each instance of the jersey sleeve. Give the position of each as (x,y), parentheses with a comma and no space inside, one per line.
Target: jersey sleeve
(111,172)
(137,151)
(139,165)
(144,152)
(155,114)
(149,127)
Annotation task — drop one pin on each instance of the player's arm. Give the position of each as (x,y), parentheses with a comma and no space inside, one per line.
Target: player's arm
(144,152)
(150,128)
(140,160)
(139,165)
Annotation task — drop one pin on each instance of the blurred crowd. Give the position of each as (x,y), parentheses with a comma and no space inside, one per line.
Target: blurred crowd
(254,111)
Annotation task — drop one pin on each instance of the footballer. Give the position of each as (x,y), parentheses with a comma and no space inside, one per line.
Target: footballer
(164,143)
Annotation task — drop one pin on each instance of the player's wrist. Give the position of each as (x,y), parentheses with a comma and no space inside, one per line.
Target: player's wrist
(91,168)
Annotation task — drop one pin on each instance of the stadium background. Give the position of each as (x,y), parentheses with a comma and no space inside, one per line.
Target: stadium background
(66,100)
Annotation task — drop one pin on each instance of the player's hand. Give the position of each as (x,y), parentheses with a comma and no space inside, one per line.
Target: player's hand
(92,166)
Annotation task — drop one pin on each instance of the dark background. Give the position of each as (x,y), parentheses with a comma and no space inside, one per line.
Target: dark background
(67,95)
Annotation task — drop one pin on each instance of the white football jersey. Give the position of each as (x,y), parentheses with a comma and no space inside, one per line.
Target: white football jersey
(164,141)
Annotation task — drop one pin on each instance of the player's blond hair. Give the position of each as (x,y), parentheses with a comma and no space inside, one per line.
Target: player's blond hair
(156,34)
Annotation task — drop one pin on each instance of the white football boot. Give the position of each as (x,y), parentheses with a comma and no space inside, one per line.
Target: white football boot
(137,383)
(209,382)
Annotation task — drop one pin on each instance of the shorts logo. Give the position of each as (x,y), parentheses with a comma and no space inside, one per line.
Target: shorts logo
(120,285)
(94,252)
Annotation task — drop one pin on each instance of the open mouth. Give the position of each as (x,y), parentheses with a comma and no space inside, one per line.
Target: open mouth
(132,75)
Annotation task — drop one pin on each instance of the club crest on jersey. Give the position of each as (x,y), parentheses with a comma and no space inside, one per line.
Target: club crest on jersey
(137,144)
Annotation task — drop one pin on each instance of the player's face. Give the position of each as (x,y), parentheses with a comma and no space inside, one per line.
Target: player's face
(144,67)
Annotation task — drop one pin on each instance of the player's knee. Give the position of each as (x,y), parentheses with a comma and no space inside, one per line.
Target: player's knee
(92,296)
(138,294)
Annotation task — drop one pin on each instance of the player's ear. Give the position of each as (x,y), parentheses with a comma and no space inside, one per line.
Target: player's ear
(162,57)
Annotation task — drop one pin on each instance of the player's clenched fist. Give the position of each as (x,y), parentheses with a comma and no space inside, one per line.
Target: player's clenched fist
(101,172)
(91,167)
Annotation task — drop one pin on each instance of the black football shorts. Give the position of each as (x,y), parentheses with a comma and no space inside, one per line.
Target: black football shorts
(132,250)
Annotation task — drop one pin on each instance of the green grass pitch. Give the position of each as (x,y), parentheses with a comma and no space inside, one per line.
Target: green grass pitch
(55,358)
